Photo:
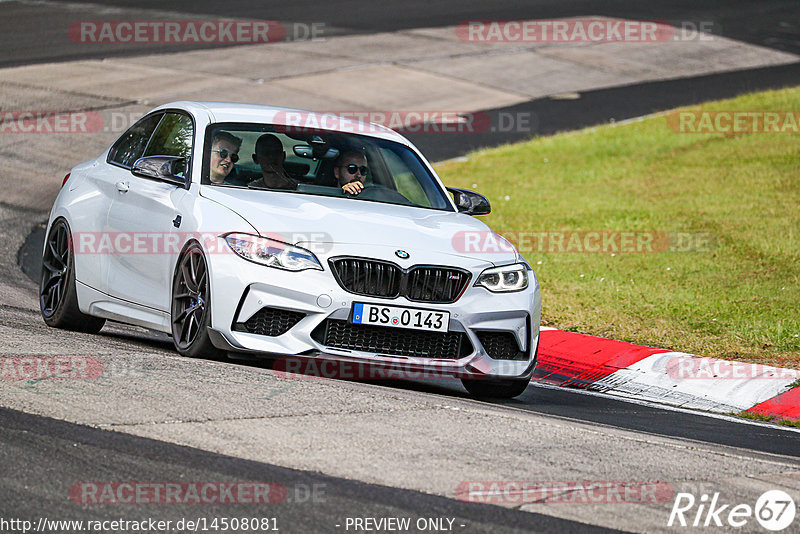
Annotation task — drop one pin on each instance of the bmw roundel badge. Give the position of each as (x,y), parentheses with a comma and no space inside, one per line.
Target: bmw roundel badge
(402,254)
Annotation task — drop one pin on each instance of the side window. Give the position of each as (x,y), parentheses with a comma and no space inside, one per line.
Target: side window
(405,181)
(131,145)
(173,137)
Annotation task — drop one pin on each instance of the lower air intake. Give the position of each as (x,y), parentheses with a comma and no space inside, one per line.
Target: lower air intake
(270,322)
(501,345)
(341,334)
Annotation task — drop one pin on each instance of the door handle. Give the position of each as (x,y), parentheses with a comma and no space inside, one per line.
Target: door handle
(122,186)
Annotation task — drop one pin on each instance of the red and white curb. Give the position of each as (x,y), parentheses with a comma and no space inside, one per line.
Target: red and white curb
(570,359)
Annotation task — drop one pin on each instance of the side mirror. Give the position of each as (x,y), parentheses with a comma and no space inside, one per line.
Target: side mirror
(162,168)
(470,202)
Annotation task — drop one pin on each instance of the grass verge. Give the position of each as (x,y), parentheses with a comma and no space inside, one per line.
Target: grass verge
(769,418)
(722,212)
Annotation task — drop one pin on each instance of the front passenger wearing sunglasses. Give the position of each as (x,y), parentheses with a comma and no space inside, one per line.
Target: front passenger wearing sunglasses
(351,171)
(224,153)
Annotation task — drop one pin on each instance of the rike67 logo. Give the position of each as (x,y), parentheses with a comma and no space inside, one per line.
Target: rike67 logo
(774,510)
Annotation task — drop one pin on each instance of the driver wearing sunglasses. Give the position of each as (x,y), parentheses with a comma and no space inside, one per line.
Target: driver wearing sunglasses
(351,170)
(224,153)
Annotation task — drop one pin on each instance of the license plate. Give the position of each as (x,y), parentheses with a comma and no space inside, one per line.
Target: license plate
(395,316)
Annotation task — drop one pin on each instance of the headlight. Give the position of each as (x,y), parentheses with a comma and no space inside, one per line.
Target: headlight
(504,279)
(272,253)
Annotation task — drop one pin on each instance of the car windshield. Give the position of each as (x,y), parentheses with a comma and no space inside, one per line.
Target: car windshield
(270,158)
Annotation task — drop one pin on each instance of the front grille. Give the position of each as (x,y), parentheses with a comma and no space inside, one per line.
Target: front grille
(270,322)
(424,283)
(341,334)
(501,345)
(435,284)
(368,277)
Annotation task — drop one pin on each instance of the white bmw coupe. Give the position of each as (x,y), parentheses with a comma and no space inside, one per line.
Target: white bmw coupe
(233,228)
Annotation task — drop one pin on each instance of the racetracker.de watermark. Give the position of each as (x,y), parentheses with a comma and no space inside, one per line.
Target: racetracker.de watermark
(125,243)
(134,492)
(704,368)
(186,31)
(583,30)
(581,241)
(68,368)
(297,368)
(50,368)
(366,122)
(734,121)
(407,121)
(50,122)
(564,492)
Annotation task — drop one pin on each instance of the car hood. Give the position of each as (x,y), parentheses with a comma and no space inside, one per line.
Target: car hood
(299,219)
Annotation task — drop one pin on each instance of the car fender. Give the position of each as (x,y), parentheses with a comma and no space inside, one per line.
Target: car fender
(204,221)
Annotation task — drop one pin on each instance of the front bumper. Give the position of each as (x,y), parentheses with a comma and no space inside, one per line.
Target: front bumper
(240,289)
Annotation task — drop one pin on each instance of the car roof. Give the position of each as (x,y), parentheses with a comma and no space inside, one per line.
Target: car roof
(238,112)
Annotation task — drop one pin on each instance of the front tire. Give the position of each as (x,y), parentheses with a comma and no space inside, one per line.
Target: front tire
(191,306)
(58,298)
(495,389)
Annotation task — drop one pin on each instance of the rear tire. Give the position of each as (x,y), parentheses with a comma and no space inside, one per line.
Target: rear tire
(495,389)
(191,306)
(58,298)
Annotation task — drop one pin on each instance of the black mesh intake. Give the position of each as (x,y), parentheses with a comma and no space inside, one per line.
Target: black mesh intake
(424,283)
(270,322)
(501,345)
(341,334)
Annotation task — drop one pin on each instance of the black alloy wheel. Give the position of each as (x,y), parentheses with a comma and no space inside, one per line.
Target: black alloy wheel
(58,299)
(55,269)
(191,305)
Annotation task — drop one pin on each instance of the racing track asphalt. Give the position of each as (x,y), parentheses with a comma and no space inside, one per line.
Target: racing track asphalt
(35,29)
(602,106)
(57,453)
(772,25)
(578,405)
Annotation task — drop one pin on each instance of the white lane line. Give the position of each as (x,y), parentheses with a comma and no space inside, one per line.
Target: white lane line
(652,404)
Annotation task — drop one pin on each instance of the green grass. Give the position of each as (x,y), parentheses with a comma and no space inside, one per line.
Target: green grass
(769,418)
(738,298)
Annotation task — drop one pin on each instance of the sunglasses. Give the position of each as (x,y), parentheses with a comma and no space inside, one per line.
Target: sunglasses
(224,154)
(353,168)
